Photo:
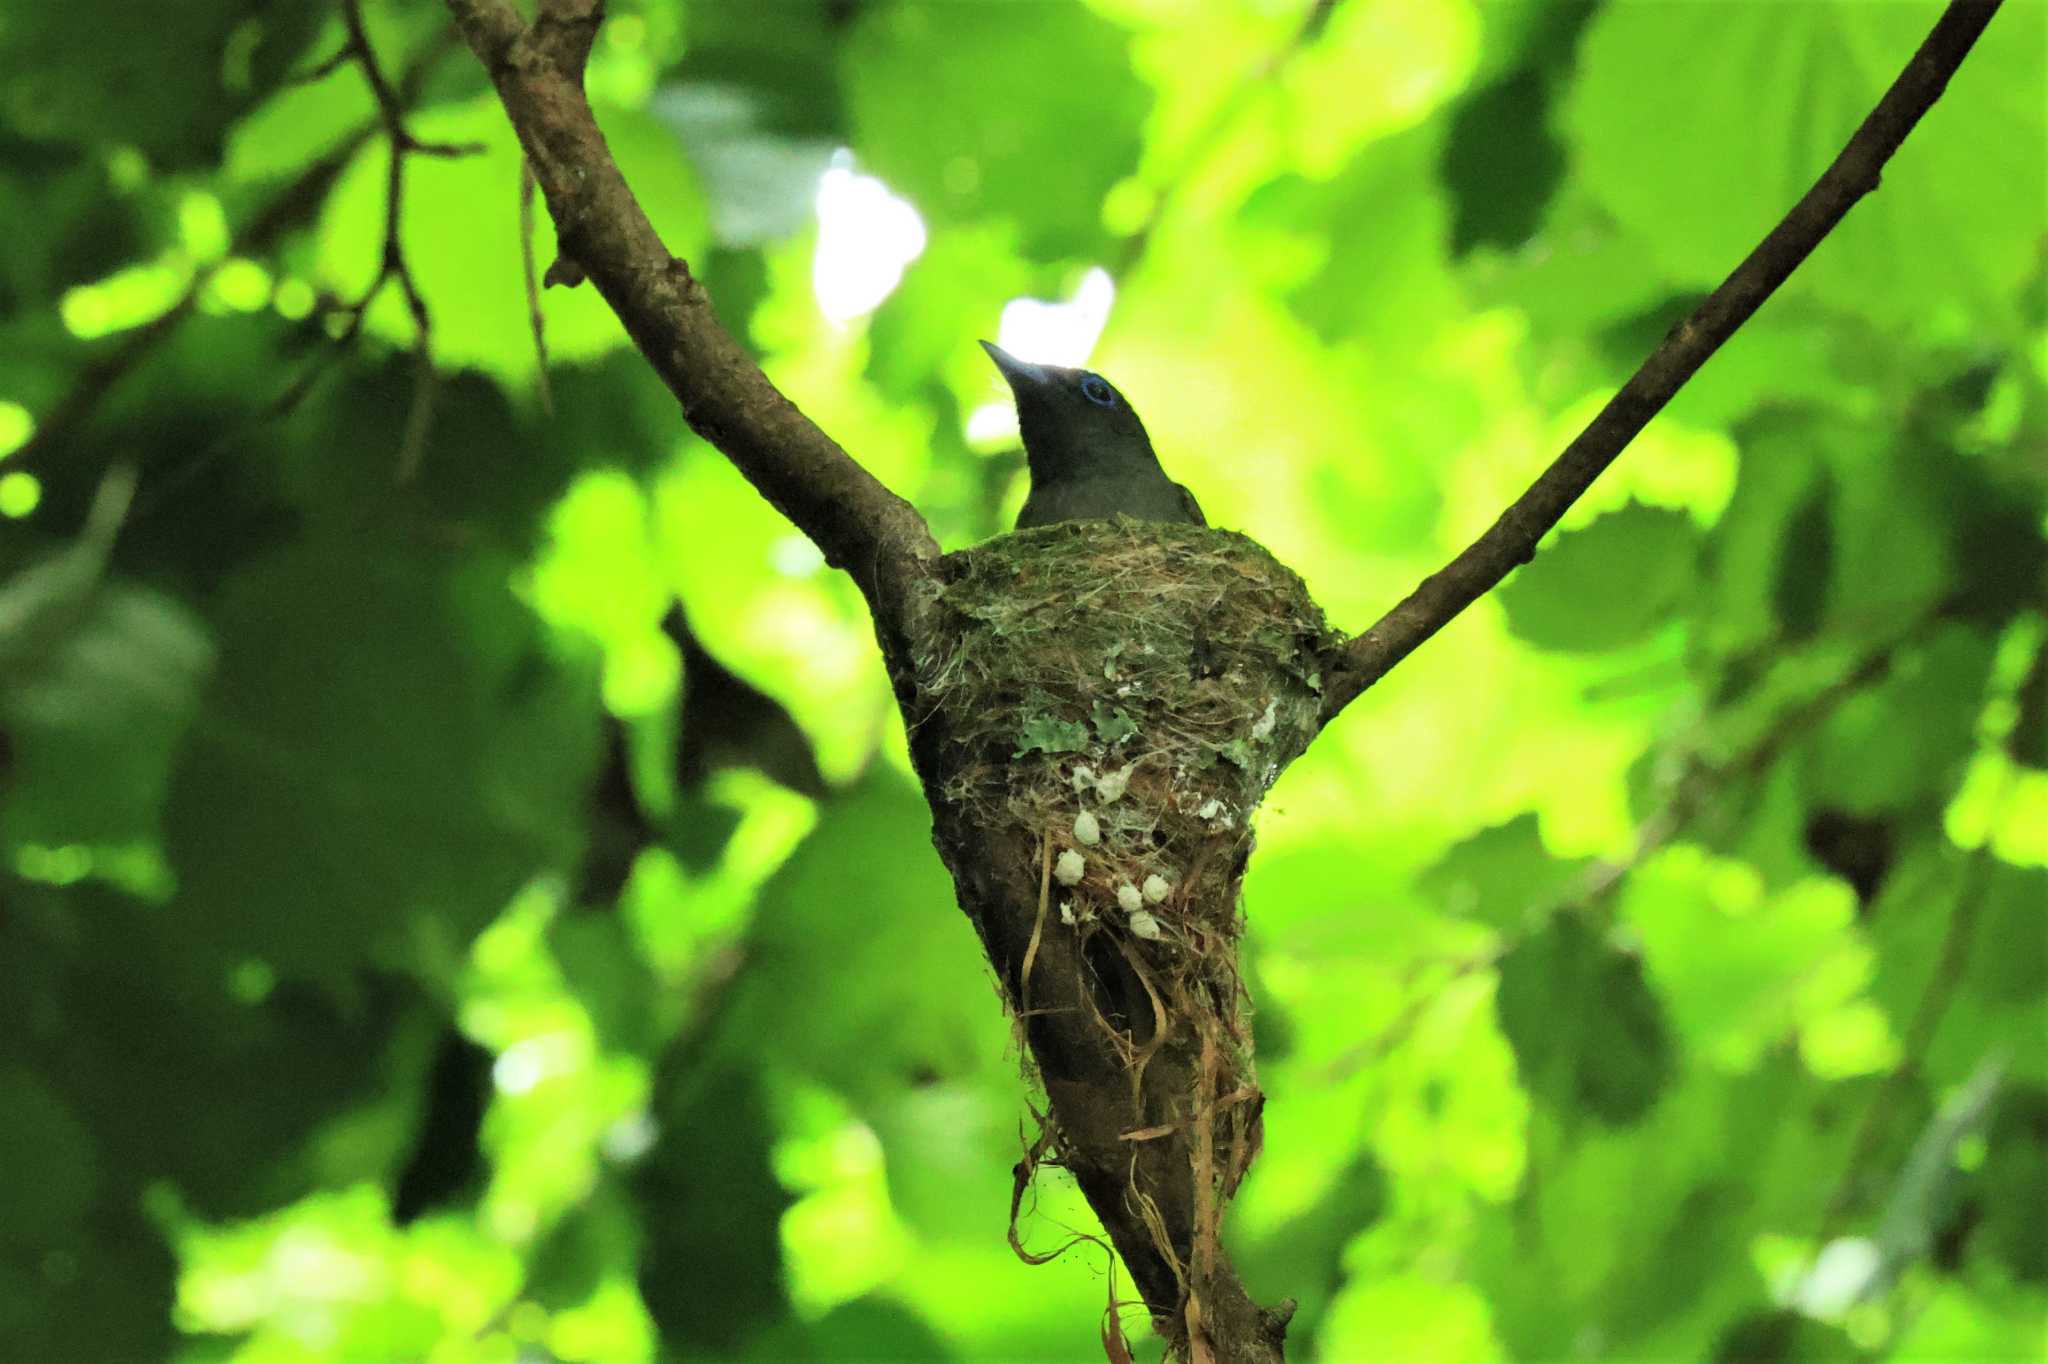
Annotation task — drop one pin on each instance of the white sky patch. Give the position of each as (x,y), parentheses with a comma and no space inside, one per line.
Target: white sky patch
(1045,333)
(795,556)
(866,237)
(1059,333)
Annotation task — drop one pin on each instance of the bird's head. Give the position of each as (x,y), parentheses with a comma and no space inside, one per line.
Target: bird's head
(1073,421)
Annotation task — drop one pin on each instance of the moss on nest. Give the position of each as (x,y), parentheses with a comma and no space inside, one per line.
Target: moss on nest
(1155,678)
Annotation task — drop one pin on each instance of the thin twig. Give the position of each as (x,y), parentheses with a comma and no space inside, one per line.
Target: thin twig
(390,105)
(533,317)
(1037,928)
(1513,538)
(307,192)
(321,70)
(393,267)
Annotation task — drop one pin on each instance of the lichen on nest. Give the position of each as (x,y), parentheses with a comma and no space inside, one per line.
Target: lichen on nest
(1127,692)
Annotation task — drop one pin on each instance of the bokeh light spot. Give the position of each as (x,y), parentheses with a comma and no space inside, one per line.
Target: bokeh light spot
(20,494)
(867,236)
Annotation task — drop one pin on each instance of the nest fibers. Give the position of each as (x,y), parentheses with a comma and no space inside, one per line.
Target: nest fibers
(1127,692)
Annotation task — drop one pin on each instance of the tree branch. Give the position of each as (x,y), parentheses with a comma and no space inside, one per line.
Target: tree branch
(860,525)
(393,264)
(1512,539)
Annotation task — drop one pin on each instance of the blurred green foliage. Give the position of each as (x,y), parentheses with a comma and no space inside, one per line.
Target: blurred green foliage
(486,915)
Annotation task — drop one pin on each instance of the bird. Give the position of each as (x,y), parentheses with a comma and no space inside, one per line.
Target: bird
(1088,453)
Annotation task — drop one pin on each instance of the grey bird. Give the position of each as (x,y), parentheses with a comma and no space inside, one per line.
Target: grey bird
(1088,452)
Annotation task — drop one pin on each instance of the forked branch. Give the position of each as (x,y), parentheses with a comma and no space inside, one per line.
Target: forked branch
(1512,539)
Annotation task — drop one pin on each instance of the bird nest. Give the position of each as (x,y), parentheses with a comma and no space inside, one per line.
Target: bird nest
(1111,701)
(1127,692)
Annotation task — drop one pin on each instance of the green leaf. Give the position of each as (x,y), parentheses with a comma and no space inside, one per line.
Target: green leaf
(394,755)
(710,1243)
(942,1137)
(870,1328)
(571,1261)
(1906,739)
(43,1134)
(1894,532)
(1588,1033)
(872,1016)
(1502,162)
(1022,113)
(601,967)
(2013,1183)
(2013,917)
(1387,295)
(168,89)
(1805,565)
(95,716)
(1501,875)
(1740,970)
(783,72)
(953,292)
(1782,1337)
(761,600)
(298,124)
(1606,584)
(1768,569)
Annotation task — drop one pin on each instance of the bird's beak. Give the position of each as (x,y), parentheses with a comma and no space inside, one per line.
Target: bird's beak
(1022,374)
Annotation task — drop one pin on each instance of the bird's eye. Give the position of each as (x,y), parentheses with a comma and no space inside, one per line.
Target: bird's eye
(1096,389)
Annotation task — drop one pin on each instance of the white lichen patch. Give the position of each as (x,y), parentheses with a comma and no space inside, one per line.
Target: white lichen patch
(1110,786)
(1069,868)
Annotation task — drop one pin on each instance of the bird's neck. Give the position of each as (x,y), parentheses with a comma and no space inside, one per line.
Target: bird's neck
(1057,456)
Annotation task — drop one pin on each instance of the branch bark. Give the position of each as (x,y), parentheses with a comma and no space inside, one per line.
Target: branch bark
(860,525)
(1512,539)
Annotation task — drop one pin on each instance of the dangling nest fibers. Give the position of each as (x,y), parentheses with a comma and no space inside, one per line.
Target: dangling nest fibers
(1125,693)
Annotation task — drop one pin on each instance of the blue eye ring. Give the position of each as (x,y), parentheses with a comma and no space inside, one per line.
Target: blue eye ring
(1096,390)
